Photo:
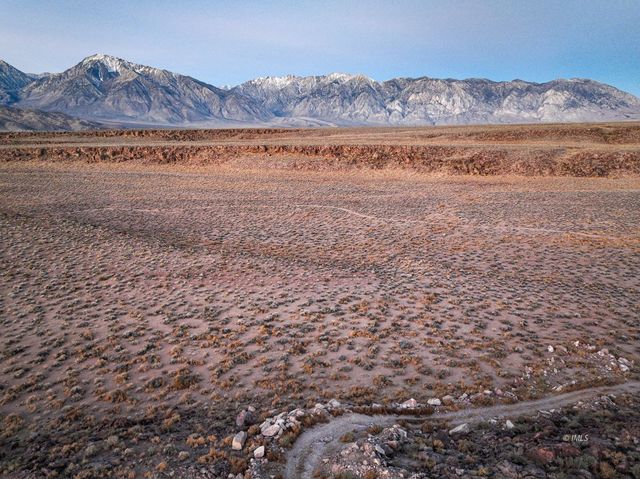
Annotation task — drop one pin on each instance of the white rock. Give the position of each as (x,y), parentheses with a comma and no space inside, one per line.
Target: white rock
(461,429)
(265,424)
(270,431)
(434,402)
(409,403)
(550,349)
(509,424)
(258,453)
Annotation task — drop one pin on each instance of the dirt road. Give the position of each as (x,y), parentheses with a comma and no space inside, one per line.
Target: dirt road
(321,441)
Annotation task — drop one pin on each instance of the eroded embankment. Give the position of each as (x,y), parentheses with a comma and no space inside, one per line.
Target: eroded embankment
(473,160)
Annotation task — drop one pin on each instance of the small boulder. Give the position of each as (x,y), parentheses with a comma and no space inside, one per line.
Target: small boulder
(258,453)
(461,429)
(238,441)
(434,402)
(509,425)
(272,430)
(409,404)
(245,418)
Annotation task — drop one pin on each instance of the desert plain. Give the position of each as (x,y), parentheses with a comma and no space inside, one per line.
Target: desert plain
(154,284)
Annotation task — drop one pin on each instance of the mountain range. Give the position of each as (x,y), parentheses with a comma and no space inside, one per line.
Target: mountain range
(109,91)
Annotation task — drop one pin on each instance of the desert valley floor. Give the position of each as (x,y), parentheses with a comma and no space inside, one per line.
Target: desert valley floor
(144,304)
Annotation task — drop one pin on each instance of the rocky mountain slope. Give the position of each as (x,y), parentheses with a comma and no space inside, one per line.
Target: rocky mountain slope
(12,81)
(356,99)
(106,88)
(17,119)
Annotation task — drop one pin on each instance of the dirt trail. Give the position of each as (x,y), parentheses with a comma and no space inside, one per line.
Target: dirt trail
(504,229)
(319,442)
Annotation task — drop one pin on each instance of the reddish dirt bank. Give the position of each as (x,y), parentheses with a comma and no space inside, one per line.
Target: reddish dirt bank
(601,150)
(427,159)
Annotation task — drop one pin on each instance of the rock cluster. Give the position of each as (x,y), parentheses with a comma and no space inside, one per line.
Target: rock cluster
(371,456)
(595,438)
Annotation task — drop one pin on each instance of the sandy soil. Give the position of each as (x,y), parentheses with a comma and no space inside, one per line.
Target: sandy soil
(150,303)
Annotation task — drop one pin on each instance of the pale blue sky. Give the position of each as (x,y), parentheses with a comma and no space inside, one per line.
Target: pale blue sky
(227,42)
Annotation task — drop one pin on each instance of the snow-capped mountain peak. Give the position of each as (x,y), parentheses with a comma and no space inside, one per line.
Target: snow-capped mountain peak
(113,64)
(344,77)
(106,87)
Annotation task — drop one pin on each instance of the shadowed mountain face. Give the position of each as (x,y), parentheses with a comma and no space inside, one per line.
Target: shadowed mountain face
(106,88)
(12,81)
(18,119)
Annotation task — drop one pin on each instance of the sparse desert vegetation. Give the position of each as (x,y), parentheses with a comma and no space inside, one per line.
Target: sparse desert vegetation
(143,306)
